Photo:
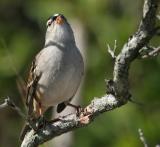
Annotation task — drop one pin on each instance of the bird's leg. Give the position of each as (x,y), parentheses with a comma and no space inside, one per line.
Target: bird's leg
(78,108)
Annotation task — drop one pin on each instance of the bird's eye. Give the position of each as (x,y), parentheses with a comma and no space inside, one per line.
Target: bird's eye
(49,22)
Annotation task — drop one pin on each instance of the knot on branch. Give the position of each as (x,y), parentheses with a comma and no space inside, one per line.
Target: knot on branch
(111,89)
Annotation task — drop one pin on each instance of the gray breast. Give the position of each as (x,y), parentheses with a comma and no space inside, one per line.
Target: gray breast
(61,69)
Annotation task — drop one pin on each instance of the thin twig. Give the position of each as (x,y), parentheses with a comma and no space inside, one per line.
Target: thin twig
(115,46)
(9,103)
(5,104)
(112,51)
(152,53)
(142,138)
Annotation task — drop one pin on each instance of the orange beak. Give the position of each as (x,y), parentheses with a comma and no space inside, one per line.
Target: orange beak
(59,20)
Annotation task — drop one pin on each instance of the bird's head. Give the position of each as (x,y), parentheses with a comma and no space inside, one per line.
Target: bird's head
(58,30)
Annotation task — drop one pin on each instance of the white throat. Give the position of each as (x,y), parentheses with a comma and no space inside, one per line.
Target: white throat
(60,34)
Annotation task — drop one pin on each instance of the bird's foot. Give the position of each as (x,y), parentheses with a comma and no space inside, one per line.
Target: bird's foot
(78,108)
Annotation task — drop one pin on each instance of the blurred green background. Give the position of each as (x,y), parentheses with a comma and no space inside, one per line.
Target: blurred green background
(22,30)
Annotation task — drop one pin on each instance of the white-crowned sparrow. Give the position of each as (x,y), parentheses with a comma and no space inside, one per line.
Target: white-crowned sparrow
(56,71)
(58,68)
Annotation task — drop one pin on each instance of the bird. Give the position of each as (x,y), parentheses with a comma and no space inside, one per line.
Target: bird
(56,71)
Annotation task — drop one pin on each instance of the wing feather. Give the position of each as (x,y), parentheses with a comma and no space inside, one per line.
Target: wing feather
(32,83)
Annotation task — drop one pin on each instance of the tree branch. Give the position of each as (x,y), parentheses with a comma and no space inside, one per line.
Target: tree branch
(130,51)
(112,51)
(142,138)
(149,51)
(117,89)
(9,103)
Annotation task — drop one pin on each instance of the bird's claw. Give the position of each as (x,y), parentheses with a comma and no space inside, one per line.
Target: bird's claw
(78,108)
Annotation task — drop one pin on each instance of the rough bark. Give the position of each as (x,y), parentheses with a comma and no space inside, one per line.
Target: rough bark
(117,89)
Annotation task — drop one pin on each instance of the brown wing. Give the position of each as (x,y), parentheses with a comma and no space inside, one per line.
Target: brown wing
(32,83)
(30,88)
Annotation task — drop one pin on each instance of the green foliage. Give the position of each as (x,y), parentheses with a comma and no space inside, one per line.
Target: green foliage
(22,30)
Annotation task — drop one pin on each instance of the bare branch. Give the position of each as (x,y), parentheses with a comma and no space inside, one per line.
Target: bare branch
(130,50)
(71,121)
(118,93)
(4,105)
(9,103)
(149,52)
(142,138)
(112,51)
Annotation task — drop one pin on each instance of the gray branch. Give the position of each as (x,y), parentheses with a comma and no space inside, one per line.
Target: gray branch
(142,138)
(117,89)
(112,51)
(149,51)
(9,103)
